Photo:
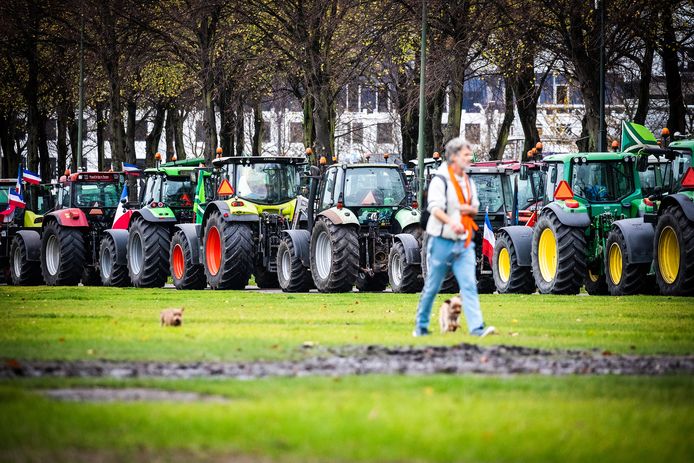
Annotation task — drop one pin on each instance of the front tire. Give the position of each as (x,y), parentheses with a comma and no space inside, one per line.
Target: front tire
(558,256)
(185,273)
(228,253)
(112,273)
(62,255)
(23,272)
(403,277)
(509,277)
(623,278)
(148,254)
(292,276)
(334,256)
(673,253)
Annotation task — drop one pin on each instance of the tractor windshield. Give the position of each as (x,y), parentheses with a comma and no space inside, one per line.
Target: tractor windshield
(656,175)
(4,196)
(267,183)
(531,189)
(92,194)
(373,186)
(493,192)
(603,181)
(178,192)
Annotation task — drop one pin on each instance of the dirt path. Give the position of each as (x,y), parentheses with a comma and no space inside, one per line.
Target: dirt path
(360,360)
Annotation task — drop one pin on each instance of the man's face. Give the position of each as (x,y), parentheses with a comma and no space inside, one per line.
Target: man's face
(463,158)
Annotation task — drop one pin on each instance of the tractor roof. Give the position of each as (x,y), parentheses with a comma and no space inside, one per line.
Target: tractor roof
(567,157)
(489,169)
(682,144)
(188,162)
(178,171)
(218,162)
(8,181)
(361,165)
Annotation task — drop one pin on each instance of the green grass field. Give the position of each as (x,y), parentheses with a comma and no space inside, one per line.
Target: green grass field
(370,419)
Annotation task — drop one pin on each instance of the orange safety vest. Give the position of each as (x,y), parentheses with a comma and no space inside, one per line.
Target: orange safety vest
(466,220)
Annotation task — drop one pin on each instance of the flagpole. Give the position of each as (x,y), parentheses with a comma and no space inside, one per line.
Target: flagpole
(81,97)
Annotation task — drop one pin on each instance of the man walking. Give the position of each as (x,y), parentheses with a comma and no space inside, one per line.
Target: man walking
(452,202)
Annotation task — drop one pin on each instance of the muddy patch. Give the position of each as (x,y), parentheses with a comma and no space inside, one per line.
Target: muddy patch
(362,360)
(131,394)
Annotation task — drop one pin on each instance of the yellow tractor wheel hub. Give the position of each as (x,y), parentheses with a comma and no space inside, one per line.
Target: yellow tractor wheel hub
(547,255)
(668,255)
(615,263)
(504,264)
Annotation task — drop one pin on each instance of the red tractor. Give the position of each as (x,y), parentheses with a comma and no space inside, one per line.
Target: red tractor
(85,206)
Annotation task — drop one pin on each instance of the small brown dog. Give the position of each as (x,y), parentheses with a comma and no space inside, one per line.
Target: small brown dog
(172,317)
(449,313)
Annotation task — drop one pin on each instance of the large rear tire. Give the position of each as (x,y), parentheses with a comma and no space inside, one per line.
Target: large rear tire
(229,253)
(509,277)
(673,253)
(62,255)
(23,272)
(403,277)
(264,278)
(185,273)
(148,254)
(292,276)
(112,273)
(374,284)
(558,256)
(334,256)
(623,278)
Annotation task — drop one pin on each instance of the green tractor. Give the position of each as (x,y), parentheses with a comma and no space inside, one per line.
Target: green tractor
(136,249)
(241,228)
(357,227)
(584,194)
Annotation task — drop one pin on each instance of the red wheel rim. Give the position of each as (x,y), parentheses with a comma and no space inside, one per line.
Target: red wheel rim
(213,251)
(179,262)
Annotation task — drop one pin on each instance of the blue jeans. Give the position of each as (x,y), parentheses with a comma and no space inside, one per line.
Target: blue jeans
(442,255)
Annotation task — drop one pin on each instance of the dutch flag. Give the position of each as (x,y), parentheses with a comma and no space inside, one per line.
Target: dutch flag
(122,217)
(31,177)
(130,167)
(489,241)
(16,199)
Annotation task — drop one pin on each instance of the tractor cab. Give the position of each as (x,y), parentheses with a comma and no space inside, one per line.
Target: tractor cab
(95,194)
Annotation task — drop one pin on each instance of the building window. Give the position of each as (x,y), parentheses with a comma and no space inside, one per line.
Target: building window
(384,132)
(562,94)
(383,100)
(296,132)
(267,132)
(368,99)
(472,133)
(353,98)
(357,133)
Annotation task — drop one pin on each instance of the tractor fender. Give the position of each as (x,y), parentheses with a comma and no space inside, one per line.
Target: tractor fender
(340,216)
(301,239)
(227,214)
(72,217)
(150,215)
(413,252)
(570,219)
(685,203)
(406,217)
(32,242)
(192,232)
(522,239)
(120,238)
(638,237)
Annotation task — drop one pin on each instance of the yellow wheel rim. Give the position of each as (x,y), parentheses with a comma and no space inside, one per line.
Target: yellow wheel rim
(616,263)
(547,255)
(504,264)
(668,255)
(593,277)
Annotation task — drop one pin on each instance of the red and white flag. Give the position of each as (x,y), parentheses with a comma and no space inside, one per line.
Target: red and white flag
(489,241)
(122,218)
(31,177)
(16,199)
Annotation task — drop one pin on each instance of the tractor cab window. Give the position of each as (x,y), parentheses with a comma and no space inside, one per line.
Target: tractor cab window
(656,175)
(373,186)
(603,181)
(88,194)
(63,196)
(531,189)
(178,192)
(267,182)
(493,192)
(555,174)
(328,189)
(681,164)
(152,189)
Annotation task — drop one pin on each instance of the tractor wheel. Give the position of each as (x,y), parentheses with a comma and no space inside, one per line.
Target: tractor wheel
(148,254)
(595,284)
(372,284)
(623,278)
(185,273)
(112,273)
(264,278)
(23,272)
(450,284)
(91,277)
(673,253)
(509,277)
(403,277)
(558,256)
(228,253)
(293,277)
(62,255)
(334,256)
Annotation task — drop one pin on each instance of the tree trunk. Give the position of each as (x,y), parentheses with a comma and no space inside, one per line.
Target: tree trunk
(644,85)
(62,141)
(100,124)
(497,153)
(177,122)
(588,141)
(258,129)
(153,137)
(677,118)
(240,127)
(309,128)
(428,129)
(169,134)
(436,126)
(10,158)
(455,109)
(227,120)
(45,170)
(324,123)
(110,59)
(130,155)
(72,131)
(526,102)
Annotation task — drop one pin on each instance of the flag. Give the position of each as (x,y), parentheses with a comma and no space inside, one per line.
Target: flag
(18,185)
(16,199)
(8,214)
(636,137)
(131,169)
(122,217)
(200,199)
(488,241)
(31,177)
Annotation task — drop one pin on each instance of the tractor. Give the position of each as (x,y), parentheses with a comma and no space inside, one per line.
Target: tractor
(71,234)
(137,251)
(242,227)
(584,194)
(359,226)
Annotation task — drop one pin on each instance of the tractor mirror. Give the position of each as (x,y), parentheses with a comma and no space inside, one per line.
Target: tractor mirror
(523,174)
